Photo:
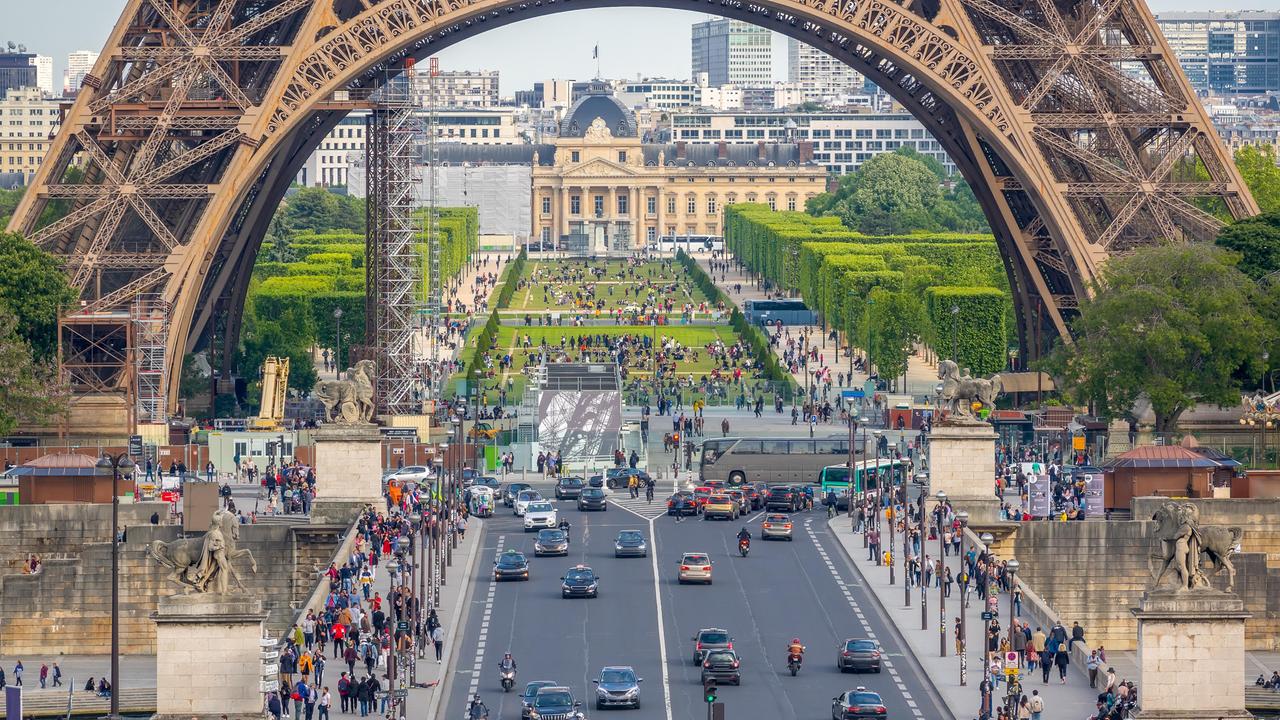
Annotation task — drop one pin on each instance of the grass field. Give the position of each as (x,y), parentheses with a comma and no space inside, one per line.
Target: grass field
(566,284)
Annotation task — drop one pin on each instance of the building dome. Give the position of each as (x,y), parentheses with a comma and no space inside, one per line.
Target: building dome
(620,121)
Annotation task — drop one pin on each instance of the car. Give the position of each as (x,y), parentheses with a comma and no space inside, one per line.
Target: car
(511,565)
(409,473)
(555,702)
(709,639)
(468,476)
(523,499)
(511,490)
(682,503)
(621,478)
(551,542)
(580,581)
(858,654)
(569,488)
(531,691)
(740,498)
(618,686)
(700,495)
(596,481)
(540,514)
(782,498)
(721,666)
(695,567)
(776,525)
(720,506)
(754,498)
(483,430)
(592,499)
(859,703)
(630,543)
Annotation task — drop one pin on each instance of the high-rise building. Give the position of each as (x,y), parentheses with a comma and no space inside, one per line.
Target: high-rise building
(465,89)
(17,70)
(28,122)
(44,73)
(79,64)
(732,52)
(821,77)
(659,94)
(1236,52)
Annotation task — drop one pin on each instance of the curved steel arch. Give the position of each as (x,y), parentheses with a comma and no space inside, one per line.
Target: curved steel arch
(196,119)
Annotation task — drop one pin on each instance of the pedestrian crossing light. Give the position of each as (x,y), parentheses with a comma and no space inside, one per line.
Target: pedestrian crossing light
(709,690)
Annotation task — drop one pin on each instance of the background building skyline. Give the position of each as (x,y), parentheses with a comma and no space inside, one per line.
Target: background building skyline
(731,52)
(1226,52)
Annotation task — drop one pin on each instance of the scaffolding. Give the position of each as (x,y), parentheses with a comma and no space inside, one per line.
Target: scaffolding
(149,321)
(392,264)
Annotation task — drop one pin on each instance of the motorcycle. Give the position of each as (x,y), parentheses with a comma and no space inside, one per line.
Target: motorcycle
(744,545)
(508,680)
(793,663)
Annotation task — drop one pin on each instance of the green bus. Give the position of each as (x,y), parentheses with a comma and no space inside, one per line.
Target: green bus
(866,473)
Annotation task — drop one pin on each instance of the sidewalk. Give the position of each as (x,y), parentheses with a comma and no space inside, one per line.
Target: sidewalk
(1071,701)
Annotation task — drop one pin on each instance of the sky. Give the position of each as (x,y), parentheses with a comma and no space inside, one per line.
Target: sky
(633,41)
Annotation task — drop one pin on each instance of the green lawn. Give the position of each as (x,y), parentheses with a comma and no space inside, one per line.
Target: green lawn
(566,282)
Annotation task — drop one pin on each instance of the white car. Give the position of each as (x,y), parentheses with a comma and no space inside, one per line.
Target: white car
(524,499)
(411,473)
(540,514)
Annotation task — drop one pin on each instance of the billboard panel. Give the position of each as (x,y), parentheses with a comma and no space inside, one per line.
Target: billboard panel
(579,424)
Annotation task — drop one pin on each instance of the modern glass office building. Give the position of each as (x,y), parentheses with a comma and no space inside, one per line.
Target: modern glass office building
(1226,53)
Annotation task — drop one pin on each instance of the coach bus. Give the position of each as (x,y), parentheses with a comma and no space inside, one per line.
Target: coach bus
(770,460)
(866,475)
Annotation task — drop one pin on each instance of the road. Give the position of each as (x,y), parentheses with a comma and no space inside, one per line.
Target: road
(803,588)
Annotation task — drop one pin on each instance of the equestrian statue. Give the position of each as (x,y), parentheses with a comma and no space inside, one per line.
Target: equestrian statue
(1185,545)
(961,392)
(203,564)
(349,402)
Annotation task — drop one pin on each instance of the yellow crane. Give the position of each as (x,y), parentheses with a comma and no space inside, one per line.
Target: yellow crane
(275,380)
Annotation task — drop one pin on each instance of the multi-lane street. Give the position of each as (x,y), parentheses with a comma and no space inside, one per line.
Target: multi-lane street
(646,619)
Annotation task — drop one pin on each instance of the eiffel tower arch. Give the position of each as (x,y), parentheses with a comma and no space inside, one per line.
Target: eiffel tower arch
(1069,118)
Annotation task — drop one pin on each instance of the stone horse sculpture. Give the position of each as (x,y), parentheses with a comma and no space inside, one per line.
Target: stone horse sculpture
(349,402)
(204,564)
(959,392)
(1185,545)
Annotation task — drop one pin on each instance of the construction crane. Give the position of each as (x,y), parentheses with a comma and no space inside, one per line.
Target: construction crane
(275,380)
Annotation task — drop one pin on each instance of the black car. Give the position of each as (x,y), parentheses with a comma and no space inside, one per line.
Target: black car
(682,503)
(630,543)
(860,703)
(596,481)
(859,654)
(622,477)
(592,499)
(721,666)
(551,542)
(580,581)
(569,488)
(530,692)
(554,702)
(510,492)
(510,565)
(782,498)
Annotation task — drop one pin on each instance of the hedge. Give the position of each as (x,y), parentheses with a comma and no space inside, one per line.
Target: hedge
(346,260)
(980,330)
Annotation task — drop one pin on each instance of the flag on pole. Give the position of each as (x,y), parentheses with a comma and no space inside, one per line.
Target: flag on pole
(595,53)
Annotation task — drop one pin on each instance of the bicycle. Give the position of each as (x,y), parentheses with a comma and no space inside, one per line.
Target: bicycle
(831,511)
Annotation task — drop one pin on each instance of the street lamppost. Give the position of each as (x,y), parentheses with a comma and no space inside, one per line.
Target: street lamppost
(963,517)
(437,564)
(337,341)
(955,314)
(987,538)
(942,586)
(115,464)
(921,525)
(1012,567)
(906,540)
(853,429)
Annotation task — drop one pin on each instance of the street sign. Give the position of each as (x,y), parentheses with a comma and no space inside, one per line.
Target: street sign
(1011,671)
(400,693)
(855,394)
(399,432)
(267,686)
(402,626)
(268,642)
(135,446)
(397,451)
(269,655)
(270,670)
(988,615)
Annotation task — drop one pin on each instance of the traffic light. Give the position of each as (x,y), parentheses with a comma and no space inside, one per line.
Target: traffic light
(709,690)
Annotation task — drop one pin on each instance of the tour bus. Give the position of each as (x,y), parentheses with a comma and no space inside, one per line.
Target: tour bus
(771,460)
(866,472)
(690,243)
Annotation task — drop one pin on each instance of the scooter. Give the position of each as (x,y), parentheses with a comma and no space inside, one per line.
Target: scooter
(793,663)
(508,680)
(744,546)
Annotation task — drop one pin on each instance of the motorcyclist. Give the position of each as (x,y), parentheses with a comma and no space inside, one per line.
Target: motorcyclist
(477,710)
(744,535)
(564,528)
(506,663)
(795,649)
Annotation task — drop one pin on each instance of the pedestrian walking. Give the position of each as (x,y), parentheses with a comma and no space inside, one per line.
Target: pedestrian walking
(1062,659)
(437,637)
(44,675)
(1036,705)
(17,674)
(1092,664)
(57,675)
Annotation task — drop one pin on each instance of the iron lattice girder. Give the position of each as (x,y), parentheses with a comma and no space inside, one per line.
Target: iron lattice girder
(1111,53)
(250,53)
(1095,189)
(149,192)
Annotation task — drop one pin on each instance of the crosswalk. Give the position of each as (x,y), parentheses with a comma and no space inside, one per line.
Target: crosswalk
(640,506)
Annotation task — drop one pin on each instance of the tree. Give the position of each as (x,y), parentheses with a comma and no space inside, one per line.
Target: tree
(8,203)
(30,392)
(1257,240)
(279,249)
(901,192)
(897,323)
(319,210)
(1257,166)
(1177,324)
(35,289)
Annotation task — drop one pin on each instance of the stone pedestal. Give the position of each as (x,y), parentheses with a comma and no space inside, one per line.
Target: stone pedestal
(1191,655)
(962,463)
(348,472)
(207,657)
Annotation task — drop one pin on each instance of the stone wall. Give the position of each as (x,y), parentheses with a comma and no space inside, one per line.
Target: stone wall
(62,531)
(1092,572)
(66,608)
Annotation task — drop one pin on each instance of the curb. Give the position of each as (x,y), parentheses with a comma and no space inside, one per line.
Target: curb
(461,611)
(909,652)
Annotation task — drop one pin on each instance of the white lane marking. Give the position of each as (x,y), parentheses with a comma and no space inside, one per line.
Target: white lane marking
(657,594)
(483,638)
